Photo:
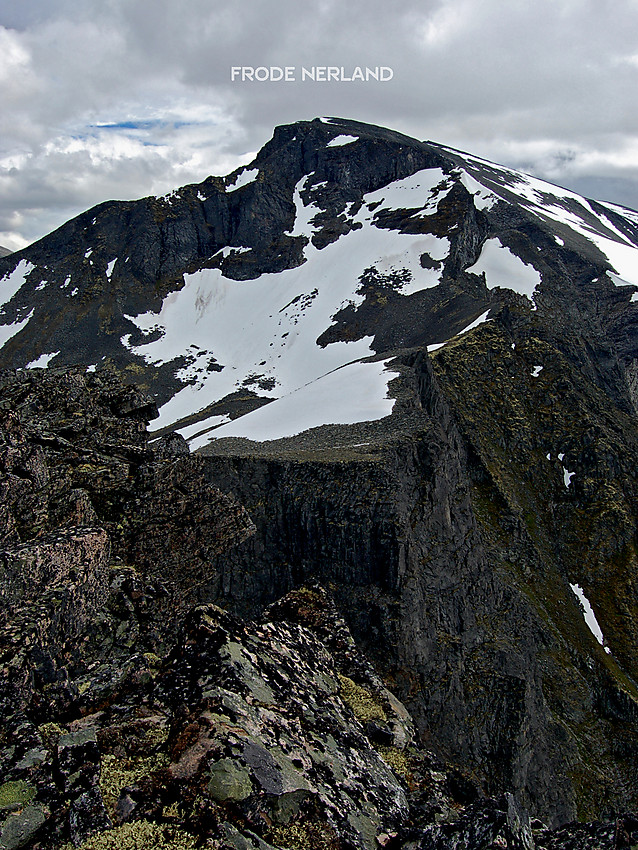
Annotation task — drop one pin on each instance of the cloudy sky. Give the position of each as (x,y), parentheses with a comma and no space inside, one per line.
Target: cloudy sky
(108,99)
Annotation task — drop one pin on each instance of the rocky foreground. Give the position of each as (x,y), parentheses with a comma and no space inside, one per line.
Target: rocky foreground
(137,714)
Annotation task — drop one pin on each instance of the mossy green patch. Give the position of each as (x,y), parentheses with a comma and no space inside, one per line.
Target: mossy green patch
(365,706)
(154,661)
(397,760)
(118,773)
(308,595)
(155,737)
(308,835)
(140,835)
(15,795)
(50,734)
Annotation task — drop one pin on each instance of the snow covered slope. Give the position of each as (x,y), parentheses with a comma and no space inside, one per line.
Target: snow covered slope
(291,282)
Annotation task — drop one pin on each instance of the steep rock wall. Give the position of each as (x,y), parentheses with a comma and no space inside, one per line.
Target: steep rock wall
(433,599)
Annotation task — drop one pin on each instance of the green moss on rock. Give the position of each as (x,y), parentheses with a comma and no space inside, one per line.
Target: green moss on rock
(365,706)
(304,836)
(140,835)
(50,734)
(117,773)
(397,760)
(15,795)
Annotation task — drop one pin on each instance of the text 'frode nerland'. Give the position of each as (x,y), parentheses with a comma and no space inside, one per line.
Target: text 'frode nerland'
(314,74)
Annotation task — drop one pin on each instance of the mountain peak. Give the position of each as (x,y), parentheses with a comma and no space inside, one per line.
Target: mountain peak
(351,241)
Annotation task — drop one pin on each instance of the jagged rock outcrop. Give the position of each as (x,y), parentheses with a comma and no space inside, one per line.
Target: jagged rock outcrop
(74,452)
(268,734)
(75,469)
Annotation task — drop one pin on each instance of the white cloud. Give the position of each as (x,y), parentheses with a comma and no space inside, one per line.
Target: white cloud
(439,29)
(548,86)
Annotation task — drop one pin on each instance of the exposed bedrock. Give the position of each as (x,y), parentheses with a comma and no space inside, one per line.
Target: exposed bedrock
(447,603)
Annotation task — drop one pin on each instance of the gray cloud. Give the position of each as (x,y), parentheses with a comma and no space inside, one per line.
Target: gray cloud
(113,98)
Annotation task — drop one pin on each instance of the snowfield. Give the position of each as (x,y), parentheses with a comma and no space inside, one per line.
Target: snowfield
(264,332)
(503,268)
(260,335)
(353,393)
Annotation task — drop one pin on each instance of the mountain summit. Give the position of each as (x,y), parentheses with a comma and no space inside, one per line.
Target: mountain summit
(293,280)
(417,373)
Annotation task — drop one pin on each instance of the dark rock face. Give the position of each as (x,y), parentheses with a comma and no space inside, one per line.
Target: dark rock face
(75,453)
(74,457)
(77,557)
(453,569)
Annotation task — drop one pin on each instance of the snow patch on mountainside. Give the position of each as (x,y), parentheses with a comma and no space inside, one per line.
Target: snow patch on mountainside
(482,197)
(198,428)
(625,212)
(9,331)
(353,393)
(258,330)
(12,282)
(247,176)
(339,141)
(479,321)
(231,251)
(503,268)
(590,617)
(303,214)
(413,191)
(42,361)
(482,318)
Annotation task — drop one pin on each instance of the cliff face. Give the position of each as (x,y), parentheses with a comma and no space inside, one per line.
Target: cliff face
(452,552)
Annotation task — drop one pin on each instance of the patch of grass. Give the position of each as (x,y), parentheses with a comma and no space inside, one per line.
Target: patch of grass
(365,706)
(118,773)
(139,835)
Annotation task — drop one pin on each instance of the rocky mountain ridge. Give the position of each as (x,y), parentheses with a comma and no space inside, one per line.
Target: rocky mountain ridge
(416,372)
(202,729)
(367,242)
